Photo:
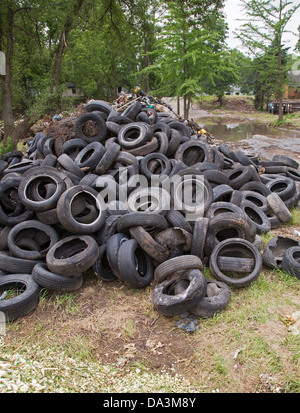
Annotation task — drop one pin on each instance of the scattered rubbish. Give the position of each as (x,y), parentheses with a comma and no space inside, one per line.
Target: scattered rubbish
(188,324)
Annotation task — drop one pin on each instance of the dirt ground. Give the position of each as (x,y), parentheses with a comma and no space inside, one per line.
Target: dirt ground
(119,325)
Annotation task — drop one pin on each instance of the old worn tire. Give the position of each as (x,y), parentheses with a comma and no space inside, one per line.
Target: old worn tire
(47,279)
(25,302)
(234,245)
(32,227)
(101,125)
(72,222)
(183,262)
(291,261)
(135,266)
(216,299)
(167,302)
(274,250)
(72,255)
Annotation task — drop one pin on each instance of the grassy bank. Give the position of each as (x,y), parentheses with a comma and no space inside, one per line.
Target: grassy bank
(242,108)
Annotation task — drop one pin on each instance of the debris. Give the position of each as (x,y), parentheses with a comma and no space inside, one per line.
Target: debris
(188,324)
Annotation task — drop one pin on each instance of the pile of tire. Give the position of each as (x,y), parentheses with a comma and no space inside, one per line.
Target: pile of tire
(56,225)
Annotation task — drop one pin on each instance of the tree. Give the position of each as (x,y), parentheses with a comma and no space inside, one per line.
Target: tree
(187,48)
(25,27)
(224,75)
(265,25)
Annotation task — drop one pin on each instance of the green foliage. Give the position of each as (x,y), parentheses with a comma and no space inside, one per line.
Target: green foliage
(262,34)
(188,49)
(6,148)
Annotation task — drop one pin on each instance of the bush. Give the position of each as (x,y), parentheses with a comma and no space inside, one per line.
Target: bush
(7,148)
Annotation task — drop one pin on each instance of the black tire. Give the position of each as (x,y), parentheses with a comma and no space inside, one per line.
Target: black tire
(232,248)
(135,266)
(216,177)
(279,208)
(32,228)
(132,219)
(238,176)
(98,105)
(132,110)
(167,302)
(192,152)
(112,250)
(154,159)
(194,178)
(222,193)
(244,159)
(226,226)
(74,223)
(199,237)
(274,251)
(102,268)
(227,152)
(291,261)
(47,279)
(161,127)
(90,155)
(113,128)
(216,299)
(34,179)
(144,150)
(176,219)
(14,265)
(293,174)
(223,207)
(180,263)
(285,187)
(72,147)
(257,216)
(19,213)
(255,186)
(157,252)
(287,161)
(72,255)
(257,199)
(107,159)
(149,200)
(25,302)
(69,165)
(181,128)
(174,142)
(101,125)
(133,135)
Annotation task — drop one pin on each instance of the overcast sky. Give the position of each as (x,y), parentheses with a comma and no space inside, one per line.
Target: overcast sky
(234,11)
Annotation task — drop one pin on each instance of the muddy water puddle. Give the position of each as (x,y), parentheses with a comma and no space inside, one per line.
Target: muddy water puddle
(259,138)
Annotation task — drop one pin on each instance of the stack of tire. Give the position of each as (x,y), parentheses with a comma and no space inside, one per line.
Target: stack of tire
(55,225)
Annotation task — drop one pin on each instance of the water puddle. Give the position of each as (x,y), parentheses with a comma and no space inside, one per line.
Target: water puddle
(234,130)
(261,139)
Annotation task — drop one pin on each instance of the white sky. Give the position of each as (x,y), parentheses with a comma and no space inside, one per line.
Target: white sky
(234,11)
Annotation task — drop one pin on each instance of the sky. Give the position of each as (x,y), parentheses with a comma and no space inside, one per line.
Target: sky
(234,11)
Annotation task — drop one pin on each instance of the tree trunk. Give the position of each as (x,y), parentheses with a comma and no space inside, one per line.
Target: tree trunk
(280,81)
(178,105)
(146,63)
(61,46)
(8,117)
